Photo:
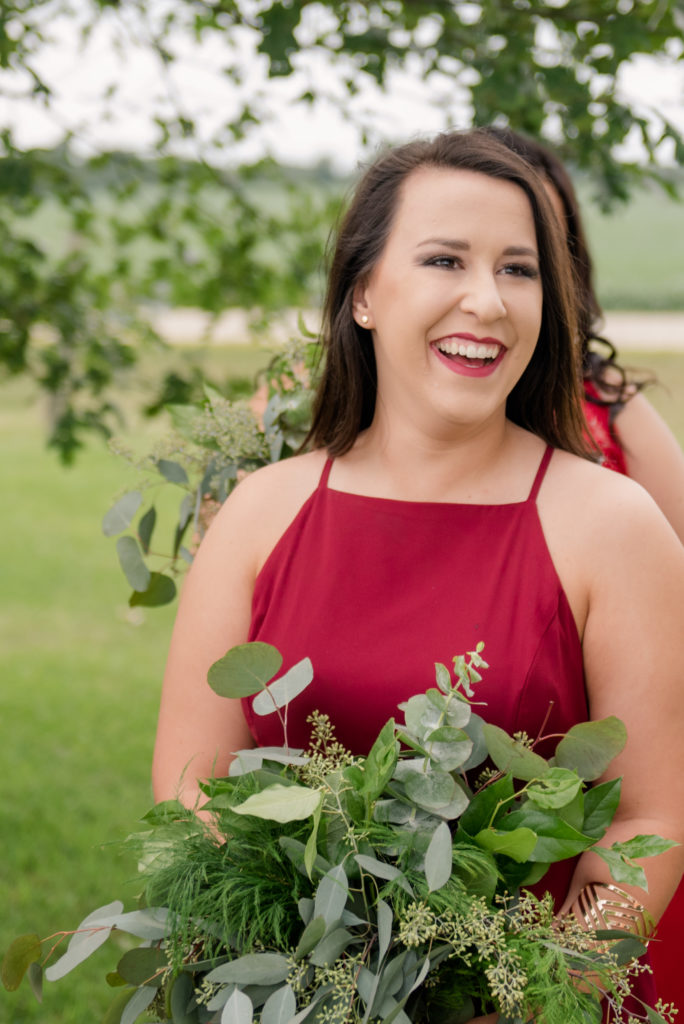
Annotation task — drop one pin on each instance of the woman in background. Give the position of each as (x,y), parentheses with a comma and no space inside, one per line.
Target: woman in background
(633,439)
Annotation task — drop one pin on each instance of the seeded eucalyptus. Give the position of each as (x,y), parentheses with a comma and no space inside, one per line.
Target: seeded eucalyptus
(357,890)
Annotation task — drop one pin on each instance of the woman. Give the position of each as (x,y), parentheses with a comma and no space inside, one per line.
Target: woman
(632,438)
(631,435)
(446,500)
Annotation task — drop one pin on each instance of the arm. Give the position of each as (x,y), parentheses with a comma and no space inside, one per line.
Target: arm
(634,662)
(654,458)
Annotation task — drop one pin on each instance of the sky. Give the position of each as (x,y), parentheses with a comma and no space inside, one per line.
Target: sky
(295,134)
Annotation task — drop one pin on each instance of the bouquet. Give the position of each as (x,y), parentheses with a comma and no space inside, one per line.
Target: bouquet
(321,886)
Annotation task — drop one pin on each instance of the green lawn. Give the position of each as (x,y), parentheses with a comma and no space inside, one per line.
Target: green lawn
(80,690)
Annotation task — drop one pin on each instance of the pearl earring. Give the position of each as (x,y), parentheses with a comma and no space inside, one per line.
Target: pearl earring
(364,318)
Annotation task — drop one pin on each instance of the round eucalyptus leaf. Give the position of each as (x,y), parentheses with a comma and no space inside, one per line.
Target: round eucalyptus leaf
(161,590)
(131,561)
(244,669)
(120,515)
(143,966)
(433,790)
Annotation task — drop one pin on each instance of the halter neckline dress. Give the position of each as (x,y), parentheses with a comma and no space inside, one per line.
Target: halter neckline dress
(375,591)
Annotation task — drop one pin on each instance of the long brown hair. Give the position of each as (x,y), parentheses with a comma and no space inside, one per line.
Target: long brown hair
(547,398)
(602,368)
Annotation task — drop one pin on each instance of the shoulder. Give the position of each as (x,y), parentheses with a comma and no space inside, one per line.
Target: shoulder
(263,505)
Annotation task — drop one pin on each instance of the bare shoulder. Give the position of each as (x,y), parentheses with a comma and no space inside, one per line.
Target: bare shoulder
(264,504)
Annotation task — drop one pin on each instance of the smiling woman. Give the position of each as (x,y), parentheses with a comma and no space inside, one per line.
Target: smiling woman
(447,499)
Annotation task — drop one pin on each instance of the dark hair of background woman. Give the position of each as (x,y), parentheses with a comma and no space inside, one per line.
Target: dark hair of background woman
(603,370)
(547,398)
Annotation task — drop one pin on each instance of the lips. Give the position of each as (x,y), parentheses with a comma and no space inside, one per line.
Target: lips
(468,355)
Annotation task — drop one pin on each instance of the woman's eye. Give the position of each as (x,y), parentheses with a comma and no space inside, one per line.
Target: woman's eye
(441,261)
(521,270)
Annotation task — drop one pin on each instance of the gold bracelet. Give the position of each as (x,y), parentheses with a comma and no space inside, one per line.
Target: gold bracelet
(604,906)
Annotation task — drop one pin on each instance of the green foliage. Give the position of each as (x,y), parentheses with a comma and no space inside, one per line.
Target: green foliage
(351,889)
(197,230)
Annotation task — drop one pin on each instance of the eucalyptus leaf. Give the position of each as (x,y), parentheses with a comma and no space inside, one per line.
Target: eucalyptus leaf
(284,690)
(143,966)
(279,1007)
(146,526)
(310,937)
(92,933)
(385,918)
(442,677)
(438,858)
(331,895)
(179,1000)
(120,515)
(380,869)
(589,747)
(281,803)
(139,1001)
(131,561)
(24,951)
(305,907)
(474,729)
(244,669)
(511,755)
(628,949)
(160,590)
(433,790)
(173,472)
(311,848)
(238,1009)
(35,979)
(252,969)
(380,762)
(331,947)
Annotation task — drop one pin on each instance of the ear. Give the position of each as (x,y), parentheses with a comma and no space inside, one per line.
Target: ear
(361,309)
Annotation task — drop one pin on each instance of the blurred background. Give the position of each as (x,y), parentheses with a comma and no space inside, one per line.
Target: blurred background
(169,172)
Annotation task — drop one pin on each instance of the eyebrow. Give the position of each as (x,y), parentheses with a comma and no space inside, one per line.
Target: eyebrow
(459,244)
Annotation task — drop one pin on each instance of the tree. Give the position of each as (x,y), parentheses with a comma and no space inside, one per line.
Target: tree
(193,225)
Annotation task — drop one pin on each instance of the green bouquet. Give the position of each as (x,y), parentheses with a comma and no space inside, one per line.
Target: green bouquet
(324,887)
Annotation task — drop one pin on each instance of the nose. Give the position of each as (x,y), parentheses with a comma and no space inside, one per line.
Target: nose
(480,296)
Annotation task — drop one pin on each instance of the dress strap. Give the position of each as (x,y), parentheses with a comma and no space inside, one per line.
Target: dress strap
(541,473)
(323,482)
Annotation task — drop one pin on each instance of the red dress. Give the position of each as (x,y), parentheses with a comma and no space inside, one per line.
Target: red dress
(375,591)
(665,949)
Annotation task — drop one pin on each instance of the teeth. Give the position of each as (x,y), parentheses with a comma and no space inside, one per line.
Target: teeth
(468,349)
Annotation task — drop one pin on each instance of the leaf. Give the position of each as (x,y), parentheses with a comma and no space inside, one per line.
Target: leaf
(512,756)
(380,762)
(120,515)
(139,1001)
(92,932)
(131,561)
(331,947)
(279,1007)
(238,1009)
(517,844)
(281,803)
(380,869)
(178,1000)
(244,669)
(116,1008)
(556,839)
(487,805)
(589,747)
(621,869)
(385,918)
(311,848)
(600,805)
(252,969)
(431,790)
(449,747)
(139,966)
(628,949)
(558,788)
(331,895)
(146,528)
(442,677)
(283,690)
(644,846)
(161,590)
(310,937)
(438,858)
(172,471)
(24,951)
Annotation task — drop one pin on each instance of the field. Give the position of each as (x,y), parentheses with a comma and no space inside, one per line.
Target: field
(80,690)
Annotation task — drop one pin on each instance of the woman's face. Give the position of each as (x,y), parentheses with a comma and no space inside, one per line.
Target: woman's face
(455,301)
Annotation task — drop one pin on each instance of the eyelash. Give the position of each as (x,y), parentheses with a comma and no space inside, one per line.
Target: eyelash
(514,269)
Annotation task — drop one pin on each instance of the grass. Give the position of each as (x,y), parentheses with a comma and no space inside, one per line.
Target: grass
(80,691)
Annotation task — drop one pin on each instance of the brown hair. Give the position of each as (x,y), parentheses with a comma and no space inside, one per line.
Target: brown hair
(547,398)
(602,368)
